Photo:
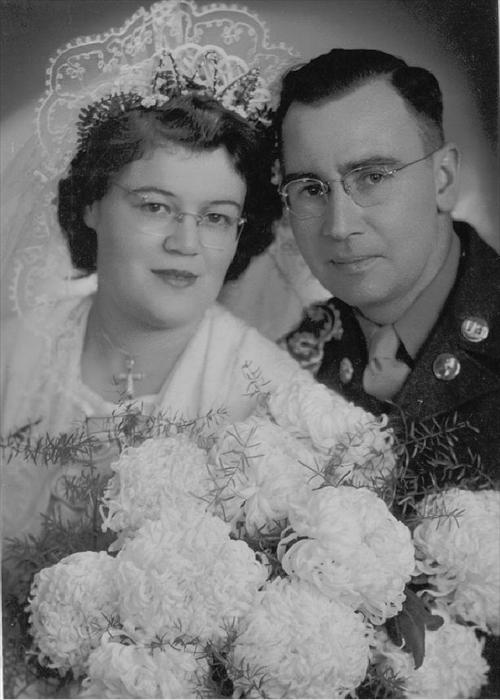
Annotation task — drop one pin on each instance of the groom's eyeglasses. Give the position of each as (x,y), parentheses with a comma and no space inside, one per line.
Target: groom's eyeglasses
(307,197)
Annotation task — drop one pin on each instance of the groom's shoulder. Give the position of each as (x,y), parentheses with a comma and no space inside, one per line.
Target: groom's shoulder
(473,306)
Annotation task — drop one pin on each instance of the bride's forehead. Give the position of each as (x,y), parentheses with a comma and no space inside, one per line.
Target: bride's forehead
(173,158)
(179,169)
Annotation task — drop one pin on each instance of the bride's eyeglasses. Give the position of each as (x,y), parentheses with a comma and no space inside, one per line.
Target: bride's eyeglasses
(307,197)
(157,215)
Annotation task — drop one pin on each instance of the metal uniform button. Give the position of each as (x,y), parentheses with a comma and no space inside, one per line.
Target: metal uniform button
(446,367)
(475,329)
(346,370)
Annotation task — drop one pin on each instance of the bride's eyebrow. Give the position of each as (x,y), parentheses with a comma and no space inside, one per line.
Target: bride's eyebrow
(230,202)
(145,190)
(150,189)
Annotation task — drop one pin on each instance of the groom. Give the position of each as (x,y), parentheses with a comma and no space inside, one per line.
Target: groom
(369,182)
(413,328)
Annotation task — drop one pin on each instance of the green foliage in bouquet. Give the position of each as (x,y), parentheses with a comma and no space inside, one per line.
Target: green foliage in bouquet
(24,557)
(407,629)
(427,462)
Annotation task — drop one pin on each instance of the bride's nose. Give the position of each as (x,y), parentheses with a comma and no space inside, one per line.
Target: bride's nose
(183,235)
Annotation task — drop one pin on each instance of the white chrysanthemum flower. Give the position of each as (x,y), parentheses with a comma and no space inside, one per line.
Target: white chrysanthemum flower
(295,643)
(346,542)
(118,670)
(257,468)
(456,545)
(183,572)
(453,665)
(71,604)
(314,411)
(357,442)
(148,478)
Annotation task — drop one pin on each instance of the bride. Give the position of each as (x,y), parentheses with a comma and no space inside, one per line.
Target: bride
(167,196)
(163,189)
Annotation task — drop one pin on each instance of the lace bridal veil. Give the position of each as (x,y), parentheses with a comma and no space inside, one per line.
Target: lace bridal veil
(36,268)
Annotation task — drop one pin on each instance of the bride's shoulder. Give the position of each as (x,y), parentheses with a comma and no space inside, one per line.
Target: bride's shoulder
(237,330)
(249,347)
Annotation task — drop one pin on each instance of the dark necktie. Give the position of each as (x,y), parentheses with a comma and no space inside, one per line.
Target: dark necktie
(384,375)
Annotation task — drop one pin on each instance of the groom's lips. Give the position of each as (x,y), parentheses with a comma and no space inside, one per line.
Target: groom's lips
(354,263)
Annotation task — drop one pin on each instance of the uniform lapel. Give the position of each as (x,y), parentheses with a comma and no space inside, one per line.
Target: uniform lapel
(475,295)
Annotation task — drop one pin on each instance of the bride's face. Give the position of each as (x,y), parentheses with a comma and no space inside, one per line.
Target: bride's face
(154,270)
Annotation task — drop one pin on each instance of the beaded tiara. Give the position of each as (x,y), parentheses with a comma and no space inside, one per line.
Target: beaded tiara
(175,47)
(246,95)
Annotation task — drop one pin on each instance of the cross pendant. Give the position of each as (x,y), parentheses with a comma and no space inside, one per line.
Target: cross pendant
(130,377)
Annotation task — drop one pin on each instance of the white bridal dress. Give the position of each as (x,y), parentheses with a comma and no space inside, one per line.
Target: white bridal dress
(224,366)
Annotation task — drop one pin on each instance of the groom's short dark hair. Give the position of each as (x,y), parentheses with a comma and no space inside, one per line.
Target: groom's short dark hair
(342,70)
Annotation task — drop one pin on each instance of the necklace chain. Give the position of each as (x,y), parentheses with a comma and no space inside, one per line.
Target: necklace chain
(129,376)
(119,349)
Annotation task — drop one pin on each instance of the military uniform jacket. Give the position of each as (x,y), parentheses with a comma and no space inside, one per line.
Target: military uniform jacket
(465,339)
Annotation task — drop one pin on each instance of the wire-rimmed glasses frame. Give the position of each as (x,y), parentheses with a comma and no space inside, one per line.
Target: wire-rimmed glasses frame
(356,184)
(211,234)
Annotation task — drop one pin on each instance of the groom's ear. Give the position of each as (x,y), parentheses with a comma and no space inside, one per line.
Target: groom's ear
(446,176)
(276,173)
(90,215)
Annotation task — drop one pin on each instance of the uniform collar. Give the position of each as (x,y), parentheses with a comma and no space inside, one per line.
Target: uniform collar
(416,323)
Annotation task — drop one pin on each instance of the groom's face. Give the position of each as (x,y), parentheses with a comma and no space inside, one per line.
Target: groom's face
(380,253)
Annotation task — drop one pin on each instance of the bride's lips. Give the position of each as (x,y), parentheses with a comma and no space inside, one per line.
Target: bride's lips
(176,278)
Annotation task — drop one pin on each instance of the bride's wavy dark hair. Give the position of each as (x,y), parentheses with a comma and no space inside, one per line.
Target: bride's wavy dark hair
(195,122)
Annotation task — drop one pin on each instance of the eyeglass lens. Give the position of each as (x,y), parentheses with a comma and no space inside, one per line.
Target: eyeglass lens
(216,229)
(308,197)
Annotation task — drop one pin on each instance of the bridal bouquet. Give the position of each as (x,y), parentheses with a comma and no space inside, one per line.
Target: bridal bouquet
(265,561)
